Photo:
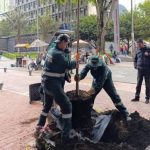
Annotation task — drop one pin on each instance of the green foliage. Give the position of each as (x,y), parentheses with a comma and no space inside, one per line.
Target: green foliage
(88,28)
(17,21)
(46,24)
(141,16)
(125,25)
(14,55)
(31,28)
(5,29)
(142,22)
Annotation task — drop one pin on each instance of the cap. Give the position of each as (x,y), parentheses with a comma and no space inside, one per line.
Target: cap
(140,41)
(95,61)
(62,37)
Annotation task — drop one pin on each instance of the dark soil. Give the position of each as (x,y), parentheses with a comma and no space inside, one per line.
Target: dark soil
(119,135)
(83,95)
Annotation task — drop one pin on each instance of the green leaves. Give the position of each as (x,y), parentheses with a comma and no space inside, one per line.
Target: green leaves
(141,22)
(88,28)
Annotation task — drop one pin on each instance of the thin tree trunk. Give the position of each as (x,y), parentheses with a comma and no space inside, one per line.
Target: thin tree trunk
(102,20)
(18,35)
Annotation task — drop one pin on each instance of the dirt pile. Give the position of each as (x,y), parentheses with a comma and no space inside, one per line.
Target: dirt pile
(135,134)
(119,135)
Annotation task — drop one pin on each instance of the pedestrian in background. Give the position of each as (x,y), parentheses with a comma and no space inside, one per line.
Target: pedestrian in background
(111,48)
(142,64)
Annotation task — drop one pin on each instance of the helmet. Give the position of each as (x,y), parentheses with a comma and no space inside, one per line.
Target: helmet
(62,37)
(95,61)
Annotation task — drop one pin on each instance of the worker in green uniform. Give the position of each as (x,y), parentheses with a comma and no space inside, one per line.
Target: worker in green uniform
(102,78)
(53,80)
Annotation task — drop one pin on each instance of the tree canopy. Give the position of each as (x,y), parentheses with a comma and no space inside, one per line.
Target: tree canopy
(88,28)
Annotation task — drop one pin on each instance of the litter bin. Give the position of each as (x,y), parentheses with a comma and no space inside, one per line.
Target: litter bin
(19,62)
(1,86)
(24,62)
(34,92)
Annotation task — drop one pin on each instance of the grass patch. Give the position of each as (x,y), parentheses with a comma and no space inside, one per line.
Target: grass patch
(14,55)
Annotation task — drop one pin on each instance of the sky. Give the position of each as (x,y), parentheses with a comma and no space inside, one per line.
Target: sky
(127,3)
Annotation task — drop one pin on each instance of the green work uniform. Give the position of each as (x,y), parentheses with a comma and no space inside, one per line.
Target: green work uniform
(102,78)
(53,80)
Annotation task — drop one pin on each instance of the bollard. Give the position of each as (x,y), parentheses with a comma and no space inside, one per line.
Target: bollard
(30,72)
(1,86)
(5,69)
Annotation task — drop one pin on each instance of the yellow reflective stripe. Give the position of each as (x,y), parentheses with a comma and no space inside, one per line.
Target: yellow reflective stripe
(65,116)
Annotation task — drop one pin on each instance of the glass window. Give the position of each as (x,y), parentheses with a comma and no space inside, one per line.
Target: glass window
(31,14)
(29,6)
(42,12)
(34,4)
(24,7)
(53,8)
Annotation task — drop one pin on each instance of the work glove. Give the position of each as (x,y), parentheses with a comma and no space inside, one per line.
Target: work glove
(68,76)
(91,91)
(76,78)
(77,56)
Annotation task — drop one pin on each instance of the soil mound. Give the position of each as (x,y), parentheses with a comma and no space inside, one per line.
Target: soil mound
(119,135)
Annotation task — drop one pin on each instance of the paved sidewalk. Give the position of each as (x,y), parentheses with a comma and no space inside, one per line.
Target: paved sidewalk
(18,118)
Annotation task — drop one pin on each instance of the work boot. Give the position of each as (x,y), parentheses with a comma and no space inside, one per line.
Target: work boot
(67,125)
(147,101)
(128,118)
(37,132)
(135,99)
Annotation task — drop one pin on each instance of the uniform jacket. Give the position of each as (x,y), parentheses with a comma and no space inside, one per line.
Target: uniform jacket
(57,61)
(99,75)
(141,61)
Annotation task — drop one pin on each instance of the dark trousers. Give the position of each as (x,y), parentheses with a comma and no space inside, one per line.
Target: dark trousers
(54,90)
(140,75)
(111,91)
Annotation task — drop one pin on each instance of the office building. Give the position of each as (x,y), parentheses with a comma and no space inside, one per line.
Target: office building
(61,13)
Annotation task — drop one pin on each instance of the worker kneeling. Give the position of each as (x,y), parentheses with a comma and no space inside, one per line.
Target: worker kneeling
(102,78)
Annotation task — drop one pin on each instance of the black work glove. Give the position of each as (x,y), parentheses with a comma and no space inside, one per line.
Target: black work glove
(68,77)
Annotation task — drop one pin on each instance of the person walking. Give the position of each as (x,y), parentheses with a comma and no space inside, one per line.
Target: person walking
(53,80)
(102,78)
(142,64)
(111,48)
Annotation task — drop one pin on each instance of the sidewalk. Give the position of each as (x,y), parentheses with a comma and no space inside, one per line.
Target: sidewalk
(18,117)
(17,121)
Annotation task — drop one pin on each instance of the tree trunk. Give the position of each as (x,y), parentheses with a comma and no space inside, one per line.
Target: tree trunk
(100,23)
(103,17)
(18,35)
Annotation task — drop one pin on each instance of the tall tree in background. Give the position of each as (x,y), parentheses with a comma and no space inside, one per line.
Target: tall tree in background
(142,21)
(18,22)
(88,28)
(46,25)
(5,28)
(104,9)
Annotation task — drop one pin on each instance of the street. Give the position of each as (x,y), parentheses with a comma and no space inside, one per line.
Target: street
(18,117)
(121,72)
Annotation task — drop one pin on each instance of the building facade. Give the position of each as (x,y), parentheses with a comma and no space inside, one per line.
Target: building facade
(62,13)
